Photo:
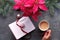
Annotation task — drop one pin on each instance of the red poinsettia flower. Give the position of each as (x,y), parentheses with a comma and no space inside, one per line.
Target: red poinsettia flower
(36,4)
(39,4)
(30,7)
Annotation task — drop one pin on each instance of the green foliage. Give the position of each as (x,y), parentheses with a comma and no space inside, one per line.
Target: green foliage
(6,6)
(52,4)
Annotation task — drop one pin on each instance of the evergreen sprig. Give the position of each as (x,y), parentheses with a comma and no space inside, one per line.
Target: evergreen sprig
(6,6)
(52,4)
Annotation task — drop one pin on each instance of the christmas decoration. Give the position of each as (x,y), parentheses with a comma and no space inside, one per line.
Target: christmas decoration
(6,6)
(30,7)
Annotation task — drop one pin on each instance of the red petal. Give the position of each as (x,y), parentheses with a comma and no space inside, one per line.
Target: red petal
(16,7)
(35,8)
(29,3)
(41,1)
(38,14)
(22,8)
(43,7)
(27,13)
(24,14)
(35,17)
(17,1)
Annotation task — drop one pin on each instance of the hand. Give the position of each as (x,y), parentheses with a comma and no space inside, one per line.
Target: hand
(47,35)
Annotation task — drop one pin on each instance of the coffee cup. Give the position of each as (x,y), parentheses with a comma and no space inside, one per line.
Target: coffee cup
(43,25)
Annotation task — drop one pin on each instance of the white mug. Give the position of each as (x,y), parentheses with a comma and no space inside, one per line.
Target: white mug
(42,23)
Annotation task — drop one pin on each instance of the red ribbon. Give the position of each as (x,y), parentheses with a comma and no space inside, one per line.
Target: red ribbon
(21,27)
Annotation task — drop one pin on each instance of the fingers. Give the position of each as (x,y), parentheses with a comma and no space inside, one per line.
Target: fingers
(48,34)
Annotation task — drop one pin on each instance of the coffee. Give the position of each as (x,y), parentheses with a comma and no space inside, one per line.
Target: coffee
(43,25)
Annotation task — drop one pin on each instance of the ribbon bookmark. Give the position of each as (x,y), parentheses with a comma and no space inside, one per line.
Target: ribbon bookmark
(22,27)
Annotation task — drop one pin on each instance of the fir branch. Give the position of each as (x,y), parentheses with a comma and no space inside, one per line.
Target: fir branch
(5,6)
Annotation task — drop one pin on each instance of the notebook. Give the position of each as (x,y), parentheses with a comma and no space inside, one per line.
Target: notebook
(16,30)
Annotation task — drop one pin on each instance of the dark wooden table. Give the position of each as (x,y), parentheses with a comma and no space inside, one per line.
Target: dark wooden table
(6,34)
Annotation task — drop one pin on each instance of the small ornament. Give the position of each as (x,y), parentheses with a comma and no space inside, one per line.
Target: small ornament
(18,16)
